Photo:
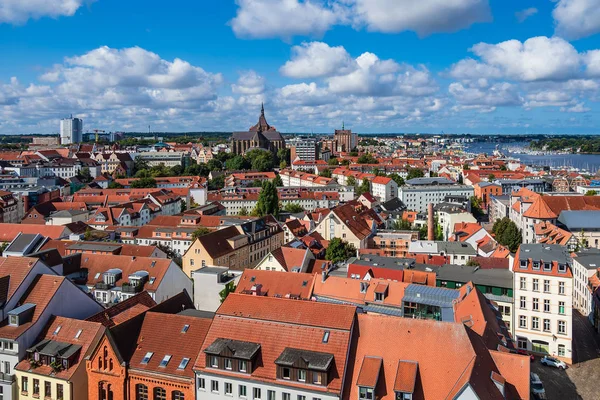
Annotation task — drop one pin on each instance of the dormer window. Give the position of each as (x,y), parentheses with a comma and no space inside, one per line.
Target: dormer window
(536,265)
(228,364)
(547,266)
(365,393)
(562,268)
(302,375)
(243,366)
(523,264)
(378,296)
(14,320)
(286,373)
(214,362)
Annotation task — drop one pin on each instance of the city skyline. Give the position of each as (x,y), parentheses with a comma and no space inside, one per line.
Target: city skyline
(469,66)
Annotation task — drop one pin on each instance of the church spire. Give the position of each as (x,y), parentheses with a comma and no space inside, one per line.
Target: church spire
(262,109)
(343,125)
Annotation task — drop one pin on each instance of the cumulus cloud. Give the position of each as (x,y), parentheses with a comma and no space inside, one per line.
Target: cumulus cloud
(287,18)
(575,19)
(423,17)
(281,18)
(19,11)
(249,83)
(481,94)
(317,59)
(538,58)
(526,13)
(577,108)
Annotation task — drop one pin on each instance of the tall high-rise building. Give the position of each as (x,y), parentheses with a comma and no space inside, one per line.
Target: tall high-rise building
(71,130)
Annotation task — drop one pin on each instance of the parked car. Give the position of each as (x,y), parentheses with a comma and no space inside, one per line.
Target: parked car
(537,387)
(523,353)
(553,362)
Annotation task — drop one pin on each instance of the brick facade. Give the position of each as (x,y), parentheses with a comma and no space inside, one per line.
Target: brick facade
(107,378)
(170,385)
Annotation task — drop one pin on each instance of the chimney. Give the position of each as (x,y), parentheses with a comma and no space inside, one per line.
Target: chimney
(26,203)
(430,227)
(323,276)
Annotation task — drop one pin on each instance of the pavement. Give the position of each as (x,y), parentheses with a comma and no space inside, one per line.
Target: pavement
(580,380)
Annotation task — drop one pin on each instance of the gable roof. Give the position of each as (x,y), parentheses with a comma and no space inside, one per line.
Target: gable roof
(166,335)
(124,310)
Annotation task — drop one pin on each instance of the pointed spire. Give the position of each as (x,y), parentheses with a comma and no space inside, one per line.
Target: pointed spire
(343,125)
(262,109)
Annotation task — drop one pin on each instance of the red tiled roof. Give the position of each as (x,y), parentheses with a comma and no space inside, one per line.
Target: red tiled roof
(10,231)
(124,310)
(276,283)
(289,257)
(164,334)
(369,371)
(406,377)
(72,331)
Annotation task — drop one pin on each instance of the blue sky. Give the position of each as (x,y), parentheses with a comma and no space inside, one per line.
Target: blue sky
(474,66)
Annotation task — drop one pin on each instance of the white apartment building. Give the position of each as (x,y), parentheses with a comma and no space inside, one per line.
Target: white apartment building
(585,266)
(543,293)
(384,188)
(417,197)
(71,130)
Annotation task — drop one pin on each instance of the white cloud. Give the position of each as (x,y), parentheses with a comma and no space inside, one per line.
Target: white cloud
(287,18)
(526,13)
(281,18)
(592,63)
(548,98)
(576,19)
(249,83)
(499,94)
(19,11)
(317,59)
(577,108)
(424,16)
(538,58)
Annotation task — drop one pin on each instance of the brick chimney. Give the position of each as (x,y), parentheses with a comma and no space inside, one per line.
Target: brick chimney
(430,223)
(26,203)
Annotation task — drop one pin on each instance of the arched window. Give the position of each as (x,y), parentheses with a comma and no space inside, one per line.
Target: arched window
(100,362)
(102,391)
(110,364)
(177,395)
(160,394)
(141,392)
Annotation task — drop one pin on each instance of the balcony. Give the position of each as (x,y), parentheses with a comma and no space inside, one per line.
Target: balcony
(6,378)
(104,286)
(132,288)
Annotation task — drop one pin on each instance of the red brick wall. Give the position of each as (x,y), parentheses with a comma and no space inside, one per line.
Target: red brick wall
(169,384)
(99,371)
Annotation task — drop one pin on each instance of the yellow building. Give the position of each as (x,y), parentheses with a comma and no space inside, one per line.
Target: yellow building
(235,247)
(53,368)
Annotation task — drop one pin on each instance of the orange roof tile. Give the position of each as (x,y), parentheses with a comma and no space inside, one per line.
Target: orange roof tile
(406,376)
(369,371)
(276,283)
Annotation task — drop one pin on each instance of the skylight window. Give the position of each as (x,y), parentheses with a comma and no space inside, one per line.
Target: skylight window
(78,333)
(152,279)
(185,328)
(325,336)
(57,330)
(147,357)
(183,363)
(97,275)
(165,361)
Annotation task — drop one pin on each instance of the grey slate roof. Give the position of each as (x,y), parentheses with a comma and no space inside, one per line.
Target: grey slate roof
(314,360)
(577,220)
(546,252)
(430,181)
(371,260)
(463,273)
(52,348)
(240,349)
(456,248)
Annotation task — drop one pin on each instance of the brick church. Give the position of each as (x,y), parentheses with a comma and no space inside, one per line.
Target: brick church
(260,136)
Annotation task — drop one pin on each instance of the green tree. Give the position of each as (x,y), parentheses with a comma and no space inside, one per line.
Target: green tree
(278,181)
(591,193)
(256,183)
(326,173)
(476,209)
(261,160)
(503,167)
(397,178)
(200,169)
(243,212)
(364,187)
(217,183)
(293,208)
(139,164)
(339,250)
(85,175)
(143,183)
(201,231)
(466,167)
(284,155)
(229,288)
(283,165)
(491,177)
(351,181)
(236,163)
(214,165)
(507,234)
(367,159)
(183,206)
(353,153)
(115,185)
(268,200)
(402,225)
(414,173)
(345,162)
(176,170)
(333,162)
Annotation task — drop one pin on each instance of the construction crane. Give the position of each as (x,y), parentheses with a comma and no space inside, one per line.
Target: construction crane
(96,131)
